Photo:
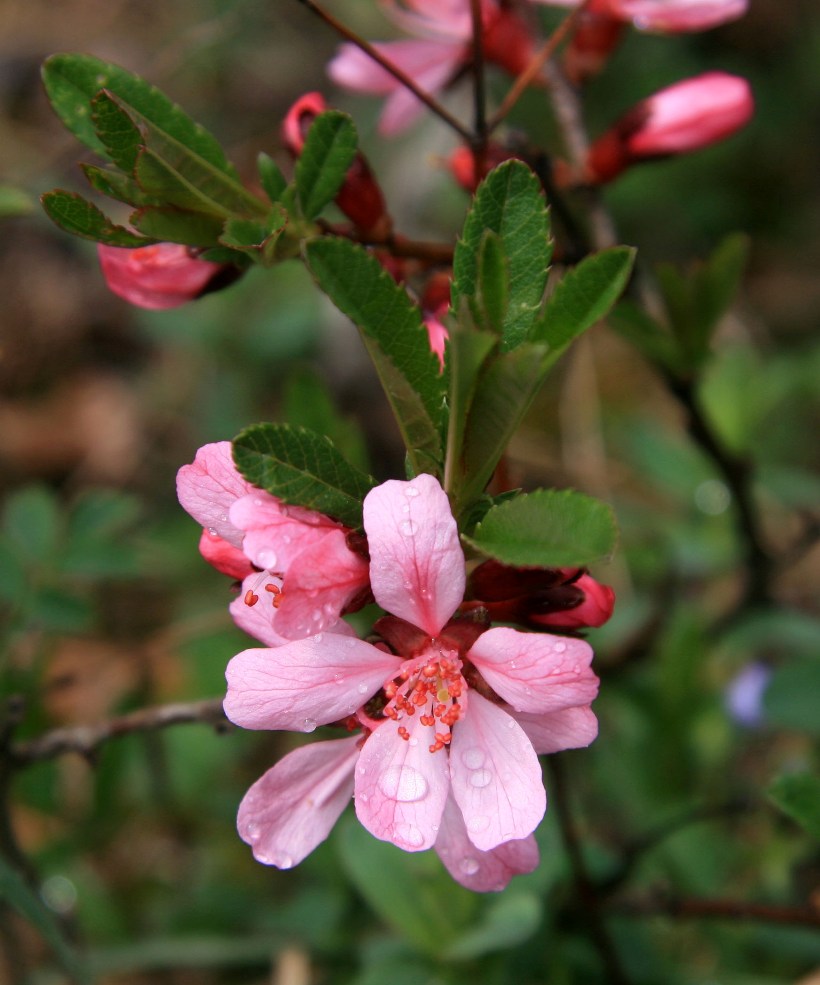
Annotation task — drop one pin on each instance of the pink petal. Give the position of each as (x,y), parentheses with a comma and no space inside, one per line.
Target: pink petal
(319,584)
(402,108)
(677,15)
(304,683)
(160,276)
(495,775)
(401,786)
(416,561)
(291,808)
(448,19)
(483,872)
(224,556)
(275,533)
(535,672)
(208,488)
(569,728)
(257,619)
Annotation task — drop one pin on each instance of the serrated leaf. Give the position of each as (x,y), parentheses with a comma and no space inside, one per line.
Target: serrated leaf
(73,80)
(303,468)
(257,239)
(493,285)
(583,297)
(158,179)
(271,177)
(503,393)
(117,185)
(172,225)
(328,152)
(547,528)
(16,893)
(510,203)
(399,345)
(798,795)
(116,130)
(82,218)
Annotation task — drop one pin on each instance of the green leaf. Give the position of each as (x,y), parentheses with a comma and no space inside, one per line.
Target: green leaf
(790,700)
(798,795)
(648,337)
(504,391)
(510,203)
(17,893)
(77,215)
(173,225)
(395,337)
(116,130)
(73,80)
(329,149)
(158,179)
(493,287)
(547,528)
(257,239)
(32,519)
(430,909)
(583,297)
(14,201)
(273,181)
(508,920)
(117,185)
(302,468)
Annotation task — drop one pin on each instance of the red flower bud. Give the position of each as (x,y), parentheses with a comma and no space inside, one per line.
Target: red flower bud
(165,275)
(595,609)
(684,117)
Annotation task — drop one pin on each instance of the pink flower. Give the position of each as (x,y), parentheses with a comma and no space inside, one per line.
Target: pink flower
(445,30)
(164,275)
(454,712)
(664,16)
(307,549)
(683,117)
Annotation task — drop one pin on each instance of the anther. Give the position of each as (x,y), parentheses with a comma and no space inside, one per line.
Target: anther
(251,598)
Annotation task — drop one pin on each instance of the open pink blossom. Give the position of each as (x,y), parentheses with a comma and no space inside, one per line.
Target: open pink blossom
(664,16)
(444,29)
(683,117)
(446,703)
(164,275)
(320,574)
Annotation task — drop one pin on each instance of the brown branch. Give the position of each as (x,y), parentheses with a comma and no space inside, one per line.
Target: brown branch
(86,739)
(434,254)
(718,909)
(586,889)
(546,52)
(429,101)
(479,88)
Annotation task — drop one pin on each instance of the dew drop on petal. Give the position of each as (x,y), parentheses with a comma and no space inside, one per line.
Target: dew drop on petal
(473,758)
(286,538)
(212,531)
(478,823)
(223,518)
(407,527)
(252,831)
(283,862)
(362,688)
(337,678)
(469,866)
(404,784)
(308,725)
(510,723)
(513,665)
(266,559)
(408,835)
(411,491)
(264,859)
(559,647)
(480,778)
(317,638)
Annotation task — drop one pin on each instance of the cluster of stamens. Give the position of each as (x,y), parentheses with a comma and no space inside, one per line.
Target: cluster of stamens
(251,598)
(439,682)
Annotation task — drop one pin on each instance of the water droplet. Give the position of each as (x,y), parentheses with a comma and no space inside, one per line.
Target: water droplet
(286,538)
(318,637)
(361,770)
(316,615)
(405,508)
(411,491)
(413,741)
(559,647)
(252,831)
(425,593)
(362,688)
(257,501)
(212,531)
(283,862)
(350,643)
(473,758)
(308,725)
(264,859)
(403,783)
(407,527)
(283,510)
(337,679)
(513,665)
(363,797)
(266,559)
(480,778)
(478,823)
(407,835)
(223,518)
(469,866)
(510,723)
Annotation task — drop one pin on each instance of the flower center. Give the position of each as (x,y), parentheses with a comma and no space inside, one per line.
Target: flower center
(430,684)
(251,597)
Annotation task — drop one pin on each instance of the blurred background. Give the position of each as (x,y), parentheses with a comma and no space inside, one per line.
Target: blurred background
(107,607)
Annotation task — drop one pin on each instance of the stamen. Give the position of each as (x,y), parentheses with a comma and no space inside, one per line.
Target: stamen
(251,598)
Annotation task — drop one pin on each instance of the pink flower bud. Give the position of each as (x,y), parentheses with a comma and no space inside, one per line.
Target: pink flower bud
(684,117)
(299,118)
(594,610)
(674,16)
(164,275)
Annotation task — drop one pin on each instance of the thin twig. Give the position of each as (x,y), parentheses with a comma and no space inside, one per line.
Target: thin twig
(434,254)
(718,909)
(586,890)
(86,739)
(546,52)
(479,88)
(429,101)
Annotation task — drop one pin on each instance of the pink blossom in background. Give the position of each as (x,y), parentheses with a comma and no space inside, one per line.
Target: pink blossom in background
(684,117)
(663,16)
(444,30)
(320,575)
(164,275)
(453,713)
(438,334)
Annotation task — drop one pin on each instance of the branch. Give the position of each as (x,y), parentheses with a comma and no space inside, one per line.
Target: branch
(479,89)
(659,904)
(86,739)
(429,101)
